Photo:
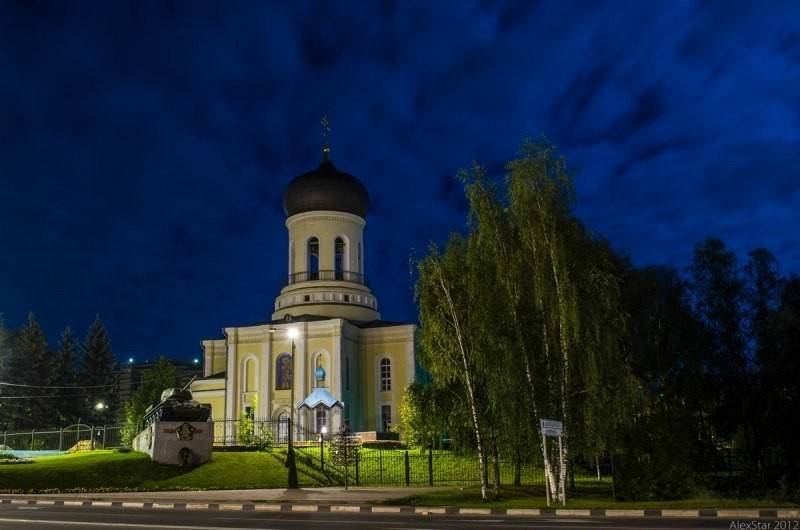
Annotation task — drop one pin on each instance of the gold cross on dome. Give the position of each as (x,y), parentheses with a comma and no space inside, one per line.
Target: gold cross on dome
(326,137)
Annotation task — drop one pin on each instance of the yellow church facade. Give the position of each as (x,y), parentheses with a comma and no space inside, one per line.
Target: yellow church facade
(325,356)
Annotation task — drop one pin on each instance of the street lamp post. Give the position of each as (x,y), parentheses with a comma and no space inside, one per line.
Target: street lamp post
(290,457)
(323,430)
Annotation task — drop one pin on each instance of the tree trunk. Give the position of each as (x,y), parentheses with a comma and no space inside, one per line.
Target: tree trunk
(470,389)
(496,466)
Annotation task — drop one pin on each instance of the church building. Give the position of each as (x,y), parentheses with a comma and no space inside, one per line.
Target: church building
(325,353)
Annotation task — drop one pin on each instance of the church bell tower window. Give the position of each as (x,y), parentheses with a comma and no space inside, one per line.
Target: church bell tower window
(339,258)
(313,259)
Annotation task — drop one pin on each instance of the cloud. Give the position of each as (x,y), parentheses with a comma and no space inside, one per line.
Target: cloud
(144,148)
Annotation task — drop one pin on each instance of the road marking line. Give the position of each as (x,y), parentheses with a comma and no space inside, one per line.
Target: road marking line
(19,501)
(196,506)
(46,502)
(101,503)
(788,514)
(231,507)
(133,505)
(523,511)
(475,511)
(73,503)
(163,505)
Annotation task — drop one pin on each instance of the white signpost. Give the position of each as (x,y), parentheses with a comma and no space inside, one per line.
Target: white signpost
(553,428)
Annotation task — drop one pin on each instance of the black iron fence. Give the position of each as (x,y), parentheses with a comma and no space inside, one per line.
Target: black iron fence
(260,433)
(396,467)
(72,437)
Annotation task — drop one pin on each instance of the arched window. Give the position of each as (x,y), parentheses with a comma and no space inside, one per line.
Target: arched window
(283,372)
(291,257)
(386,375)
(250,375)
(338,258)
(313,259)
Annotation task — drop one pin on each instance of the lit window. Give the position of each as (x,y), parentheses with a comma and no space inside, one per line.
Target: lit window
(386,375)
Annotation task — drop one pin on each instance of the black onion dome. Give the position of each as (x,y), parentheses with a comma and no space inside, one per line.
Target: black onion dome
(326,188)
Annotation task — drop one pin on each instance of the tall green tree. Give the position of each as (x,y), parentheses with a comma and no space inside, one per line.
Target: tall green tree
(160,376)
(6,352)
(718,291)
(525,312)
(65,369)
(30,365)
(449,329)
(98,374)
(573,281)
(780,378)
(665,440)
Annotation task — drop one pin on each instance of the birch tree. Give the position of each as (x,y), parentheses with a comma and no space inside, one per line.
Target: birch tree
(447,335)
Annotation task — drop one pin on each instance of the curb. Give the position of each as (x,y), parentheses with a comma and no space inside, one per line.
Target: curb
(421,510)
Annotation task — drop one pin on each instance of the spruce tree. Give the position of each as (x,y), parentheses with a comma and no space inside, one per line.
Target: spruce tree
(30,365)
(98,373)
(66,375)
(6,353)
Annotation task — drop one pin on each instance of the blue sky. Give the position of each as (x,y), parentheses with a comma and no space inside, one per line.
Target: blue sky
(145,146)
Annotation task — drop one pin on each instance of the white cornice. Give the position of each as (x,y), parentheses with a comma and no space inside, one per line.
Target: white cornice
(324,215)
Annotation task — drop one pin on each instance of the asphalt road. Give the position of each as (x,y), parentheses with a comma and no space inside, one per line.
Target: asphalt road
(22,517)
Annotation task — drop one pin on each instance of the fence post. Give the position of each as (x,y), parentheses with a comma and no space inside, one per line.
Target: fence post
(33,433)
(91,435)
(61,439)
(104,436)
(408,470)
(5,440)
(430,466)
(358,479)
(380,461)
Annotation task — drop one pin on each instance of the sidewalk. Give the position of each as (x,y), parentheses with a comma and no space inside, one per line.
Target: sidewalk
(334,495)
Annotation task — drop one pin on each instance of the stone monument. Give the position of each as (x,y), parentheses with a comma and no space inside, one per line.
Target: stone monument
(177,431)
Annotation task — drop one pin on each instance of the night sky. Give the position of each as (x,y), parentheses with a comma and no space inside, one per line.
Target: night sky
(145,147)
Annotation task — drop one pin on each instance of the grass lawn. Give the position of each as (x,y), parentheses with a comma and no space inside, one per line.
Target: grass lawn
(113,471)
(587,496)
